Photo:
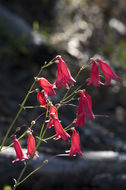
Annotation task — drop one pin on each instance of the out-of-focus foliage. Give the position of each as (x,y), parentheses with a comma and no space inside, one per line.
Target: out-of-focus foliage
(120,54)
(7,187)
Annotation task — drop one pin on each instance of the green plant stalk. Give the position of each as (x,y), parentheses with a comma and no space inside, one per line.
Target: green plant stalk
(81,69)
(42,133)
(69,100)
(13,143)
(49,138)
(23,170)
(16,117)
(33,107)
(38,144)
(40,139)
(18,138)
(47,124)
(42,128)
(72,94)
(23,103)
(44,163)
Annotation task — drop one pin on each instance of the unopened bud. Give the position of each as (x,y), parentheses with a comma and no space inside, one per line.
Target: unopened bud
(36,89)
(36,79)
(48,102)
(18,129)
(33,122)
(72,128)
(29,132)
(57,105)
(45,162)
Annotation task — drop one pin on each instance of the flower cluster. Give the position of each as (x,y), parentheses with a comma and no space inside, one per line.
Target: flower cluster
(20,156)
(84,110)
(107,71)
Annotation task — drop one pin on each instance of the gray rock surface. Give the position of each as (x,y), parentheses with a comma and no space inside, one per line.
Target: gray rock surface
(97,170)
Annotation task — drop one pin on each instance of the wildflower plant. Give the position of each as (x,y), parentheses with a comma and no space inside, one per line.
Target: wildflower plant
(51,117)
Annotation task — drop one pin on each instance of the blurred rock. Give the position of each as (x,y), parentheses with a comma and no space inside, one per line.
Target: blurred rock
(97,170)
(109,182)
(14,28)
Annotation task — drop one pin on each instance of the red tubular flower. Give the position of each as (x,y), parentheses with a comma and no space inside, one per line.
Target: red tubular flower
(19,153)
(107,71)
(80,114)
(63,74)
(75,144)
(52,111)
(94,79)
(41,99)
(84,109)
(31,145)
(60,132)
(47,86)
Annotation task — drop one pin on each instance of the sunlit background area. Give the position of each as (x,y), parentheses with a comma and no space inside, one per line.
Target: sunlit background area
(32,32)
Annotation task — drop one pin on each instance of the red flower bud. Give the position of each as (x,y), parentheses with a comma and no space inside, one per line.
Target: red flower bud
(31,145)
(19,153)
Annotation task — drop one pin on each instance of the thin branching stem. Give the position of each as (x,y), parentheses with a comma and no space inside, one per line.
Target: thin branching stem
(28,162)
(23,103)
(49,138)
(65,96)
(43,164)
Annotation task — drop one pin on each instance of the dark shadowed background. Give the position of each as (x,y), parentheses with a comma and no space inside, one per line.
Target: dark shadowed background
(32,32)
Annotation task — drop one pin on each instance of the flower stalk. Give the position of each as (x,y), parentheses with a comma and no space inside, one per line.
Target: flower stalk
(51,115)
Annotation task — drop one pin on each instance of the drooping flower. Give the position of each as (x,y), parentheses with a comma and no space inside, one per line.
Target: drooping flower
(20,156)
(47,87)
(107,71)
(31,145)
(41,99)
(52,111)
(80,120)
(75,144)
(84,109)
(63,74)
(60,132)
(94,78)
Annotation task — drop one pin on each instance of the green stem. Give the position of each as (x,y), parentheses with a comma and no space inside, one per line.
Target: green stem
(44,163)
(44,123)
(49,138)
(33,107)
(23,170)
(23,103)
(38,144)
(72,94)
(65,96)
(16,117)
(32,123)
(69,100)
(8,131)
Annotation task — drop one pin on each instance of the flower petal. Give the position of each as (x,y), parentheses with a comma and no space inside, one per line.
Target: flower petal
(107,71)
